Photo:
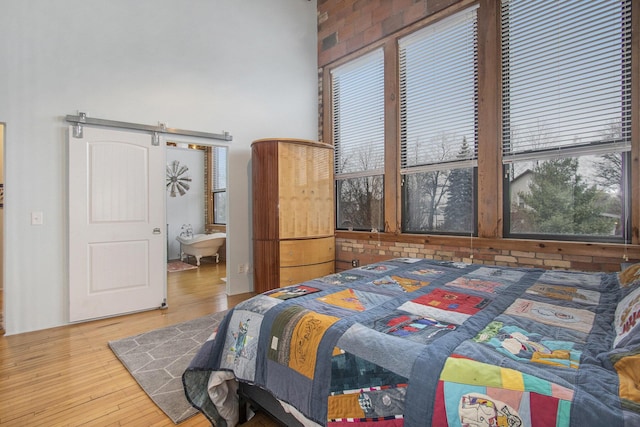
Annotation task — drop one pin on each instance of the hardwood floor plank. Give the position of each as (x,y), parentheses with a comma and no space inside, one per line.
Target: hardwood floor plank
(68,376)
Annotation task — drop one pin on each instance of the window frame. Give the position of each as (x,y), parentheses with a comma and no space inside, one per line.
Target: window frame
(625,213)
(490,212)
(456,27)
(471,165)
(213,190)
(368,62)
(560,148)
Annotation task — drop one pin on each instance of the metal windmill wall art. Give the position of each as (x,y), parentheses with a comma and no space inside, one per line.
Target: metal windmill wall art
(178,178)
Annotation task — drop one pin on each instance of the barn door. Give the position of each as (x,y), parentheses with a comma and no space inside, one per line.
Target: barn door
(117,236)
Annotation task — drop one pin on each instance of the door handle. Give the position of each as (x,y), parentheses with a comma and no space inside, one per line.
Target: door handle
(157,230)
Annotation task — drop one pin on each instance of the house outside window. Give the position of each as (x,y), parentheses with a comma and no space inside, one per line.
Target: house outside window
(566,72)
(358,136)
(438,122)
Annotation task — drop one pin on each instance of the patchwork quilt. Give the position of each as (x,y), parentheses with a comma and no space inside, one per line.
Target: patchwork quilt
(415,342)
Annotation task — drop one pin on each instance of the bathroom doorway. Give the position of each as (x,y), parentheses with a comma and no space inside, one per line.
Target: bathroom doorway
(196,200)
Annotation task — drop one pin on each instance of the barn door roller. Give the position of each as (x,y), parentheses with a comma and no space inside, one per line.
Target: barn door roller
(81,119)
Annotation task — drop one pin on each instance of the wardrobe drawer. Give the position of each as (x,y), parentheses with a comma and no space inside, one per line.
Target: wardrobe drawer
(307,251)
(292,275)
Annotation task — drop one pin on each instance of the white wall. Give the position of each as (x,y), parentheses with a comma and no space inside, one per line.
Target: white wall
(188,208)
(1,212)
(248,67)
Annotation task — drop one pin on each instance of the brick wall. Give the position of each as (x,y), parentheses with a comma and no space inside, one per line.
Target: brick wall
(547,255)
(345,26)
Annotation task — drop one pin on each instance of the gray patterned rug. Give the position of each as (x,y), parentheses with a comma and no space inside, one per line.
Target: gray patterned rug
(157,359)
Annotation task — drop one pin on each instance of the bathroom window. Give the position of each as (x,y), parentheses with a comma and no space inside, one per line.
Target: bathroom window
(218,211)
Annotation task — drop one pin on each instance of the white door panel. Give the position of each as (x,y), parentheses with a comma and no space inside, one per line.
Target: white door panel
(116,223)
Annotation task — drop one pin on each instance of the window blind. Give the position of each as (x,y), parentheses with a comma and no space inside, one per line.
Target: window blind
(219,175)
(566,70)
(438,92)
(358,116)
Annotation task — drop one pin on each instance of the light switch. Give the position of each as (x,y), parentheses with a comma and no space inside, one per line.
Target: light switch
(36,218)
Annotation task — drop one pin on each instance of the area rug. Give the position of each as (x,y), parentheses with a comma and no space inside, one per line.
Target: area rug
(157,359)
(174,266)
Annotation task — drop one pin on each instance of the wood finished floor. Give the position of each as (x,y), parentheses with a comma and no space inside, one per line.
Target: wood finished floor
(68,376)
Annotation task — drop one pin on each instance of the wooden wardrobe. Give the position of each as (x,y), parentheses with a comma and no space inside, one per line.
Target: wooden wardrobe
(293,212)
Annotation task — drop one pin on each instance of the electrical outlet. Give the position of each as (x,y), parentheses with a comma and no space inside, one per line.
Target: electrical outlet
(241,269)
(355,263)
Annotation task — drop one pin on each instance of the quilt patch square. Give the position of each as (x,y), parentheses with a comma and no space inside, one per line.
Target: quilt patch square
(430,272)
(630,276)
(497,396)
(446,306)
(498,274)
(626,317)
(565,317)
(452,301)
(397,283)
(519,344)
(342,278)
(373,403)
(292,292)
(627,366)
(417,328)
(378,268)
(478,285)
(571,278)
(565,293)
(295,337)
(241,343)
(353,299)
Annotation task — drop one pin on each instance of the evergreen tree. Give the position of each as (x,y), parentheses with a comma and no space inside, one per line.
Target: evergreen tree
(458,213)
(559,202)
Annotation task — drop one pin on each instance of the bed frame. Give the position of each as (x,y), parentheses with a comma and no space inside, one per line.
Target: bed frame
(256,398)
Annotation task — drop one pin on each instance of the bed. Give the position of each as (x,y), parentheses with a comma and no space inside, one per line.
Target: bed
(416,342)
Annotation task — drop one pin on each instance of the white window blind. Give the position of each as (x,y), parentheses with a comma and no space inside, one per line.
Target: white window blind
(219,184)
(438,92)
(219,164)
(566,76)
(358,116)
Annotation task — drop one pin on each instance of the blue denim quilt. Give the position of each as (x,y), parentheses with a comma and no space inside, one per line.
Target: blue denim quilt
(415,342)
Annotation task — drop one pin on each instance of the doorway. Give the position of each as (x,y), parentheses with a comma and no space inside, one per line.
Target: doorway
(196,196)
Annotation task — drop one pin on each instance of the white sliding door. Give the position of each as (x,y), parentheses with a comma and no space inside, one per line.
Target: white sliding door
(117,230)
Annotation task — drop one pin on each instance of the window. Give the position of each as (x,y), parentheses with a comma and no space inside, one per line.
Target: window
(566,70)
(358,136)
(438,122)
(219,184)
